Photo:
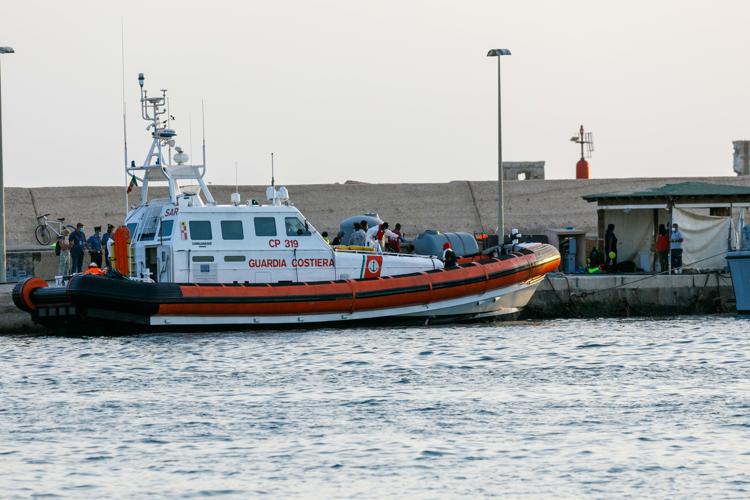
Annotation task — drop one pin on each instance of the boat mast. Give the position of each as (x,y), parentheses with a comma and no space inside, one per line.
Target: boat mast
(124,108)
(155,167)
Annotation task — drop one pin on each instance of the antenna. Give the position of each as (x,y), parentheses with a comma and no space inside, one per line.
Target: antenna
(203,132)
(236,184)
(273,181)
(169,125)
(190,128)
(586,141)
(124,107)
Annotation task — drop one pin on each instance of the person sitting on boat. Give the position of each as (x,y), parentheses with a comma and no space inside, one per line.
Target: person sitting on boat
(394,244)
(377,235)
(355,228)
(337,240)
(324,234)
(94,269)
(449,256)
(359,237)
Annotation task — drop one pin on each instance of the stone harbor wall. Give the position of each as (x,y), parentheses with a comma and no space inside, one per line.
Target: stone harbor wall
(531,205)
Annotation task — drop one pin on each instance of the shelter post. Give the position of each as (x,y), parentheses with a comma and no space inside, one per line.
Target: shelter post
(670,205)
(600,230)
(656,236)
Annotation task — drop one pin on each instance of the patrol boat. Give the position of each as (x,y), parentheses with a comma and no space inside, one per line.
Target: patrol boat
(188,261)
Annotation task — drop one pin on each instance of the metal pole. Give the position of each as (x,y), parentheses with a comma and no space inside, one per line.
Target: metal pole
(500,221)
(3,271)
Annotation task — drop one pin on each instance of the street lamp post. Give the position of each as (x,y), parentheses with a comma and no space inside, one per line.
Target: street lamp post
(500,220)
(3,264)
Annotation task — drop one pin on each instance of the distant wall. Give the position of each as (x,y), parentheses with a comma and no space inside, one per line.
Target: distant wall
(523,170)
(532,205)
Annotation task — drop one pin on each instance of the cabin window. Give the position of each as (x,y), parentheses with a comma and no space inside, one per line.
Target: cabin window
(295,227)
(232,230)
(234,258)
(265,226)
(165,231)
(203,258)
(200,230)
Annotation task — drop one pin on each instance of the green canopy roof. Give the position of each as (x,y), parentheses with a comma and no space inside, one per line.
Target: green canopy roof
(681,190)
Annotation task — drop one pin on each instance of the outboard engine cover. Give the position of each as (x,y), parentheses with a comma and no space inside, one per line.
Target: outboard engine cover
(431,242)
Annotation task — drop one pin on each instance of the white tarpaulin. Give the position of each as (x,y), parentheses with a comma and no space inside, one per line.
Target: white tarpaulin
(706,239)
(634,230)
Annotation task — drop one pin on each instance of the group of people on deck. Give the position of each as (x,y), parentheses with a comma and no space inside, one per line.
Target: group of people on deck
(71,247)
(378,237)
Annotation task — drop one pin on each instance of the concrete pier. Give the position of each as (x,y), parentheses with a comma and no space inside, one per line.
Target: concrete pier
(604,295)
(12,319)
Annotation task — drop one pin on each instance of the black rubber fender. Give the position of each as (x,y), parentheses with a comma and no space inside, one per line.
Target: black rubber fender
(22,293)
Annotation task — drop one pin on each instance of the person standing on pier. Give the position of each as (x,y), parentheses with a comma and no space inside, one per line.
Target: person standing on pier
(662,247)
(77,240)
(63,263)
(610,248)
(675,248)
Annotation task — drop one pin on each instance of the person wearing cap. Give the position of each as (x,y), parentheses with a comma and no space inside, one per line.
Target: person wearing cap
(95,246)
(449,256)
(77,240)
(105,247)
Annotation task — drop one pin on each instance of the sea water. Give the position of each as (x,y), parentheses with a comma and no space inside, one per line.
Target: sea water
(602,408)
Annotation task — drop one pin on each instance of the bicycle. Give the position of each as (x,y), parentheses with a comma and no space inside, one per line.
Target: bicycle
(45,229)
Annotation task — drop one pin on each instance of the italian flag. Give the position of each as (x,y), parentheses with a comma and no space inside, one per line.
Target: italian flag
(133,183)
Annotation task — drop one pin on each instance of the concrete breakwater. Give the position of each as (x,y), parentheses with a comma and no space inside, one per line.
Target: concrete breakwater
(606,295)
(531,205)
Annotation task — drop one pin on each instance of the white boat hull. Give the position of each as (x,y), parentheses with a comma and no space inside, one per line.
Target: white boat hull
(496,303)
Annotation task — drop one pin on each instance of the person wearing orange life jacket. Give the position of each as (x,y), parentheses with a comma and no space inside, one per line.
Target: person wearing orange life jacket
(94,270)
(376,236)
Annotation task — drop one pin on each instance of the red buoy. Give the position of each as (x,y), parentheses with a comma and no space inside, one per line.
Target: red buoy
(582,169)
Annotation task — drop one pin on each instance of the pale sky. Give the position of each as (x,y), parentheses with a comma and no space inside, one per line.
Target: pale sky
(376,91)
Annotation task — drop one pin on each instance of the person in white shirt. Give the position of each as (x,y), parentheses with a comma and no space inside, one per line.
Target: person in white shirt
(675,248)
(376,236)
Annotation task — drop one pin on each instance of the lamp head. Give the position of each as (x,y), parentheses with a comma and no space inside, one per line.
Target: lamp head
(498,52)
(141,79)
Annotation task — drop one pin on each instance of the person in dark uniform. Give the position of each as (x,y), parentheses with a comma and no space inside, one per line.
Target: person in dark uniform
(77,240)
(95,246)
